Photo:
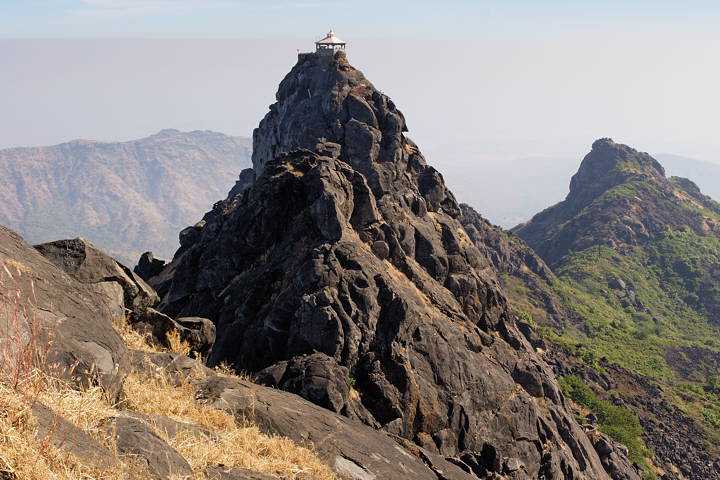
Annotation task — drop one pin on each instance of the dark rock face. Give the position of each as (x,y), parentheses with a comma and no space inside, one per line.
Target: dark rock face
(76,316)
(245,180)
(148,266)
(347,256)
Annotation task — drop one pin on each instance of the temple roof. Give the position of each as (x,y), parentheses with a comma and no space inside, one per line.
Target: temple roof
(331,39)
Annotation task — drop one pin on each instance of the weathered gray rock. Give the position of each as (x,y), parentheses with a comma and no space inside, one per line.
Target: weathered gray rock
(170,427)
(88,264)
(353,450)
(321,380)
(66,436)
(198,332)
(76,317)
(135,438)
(173,366)
(229,473)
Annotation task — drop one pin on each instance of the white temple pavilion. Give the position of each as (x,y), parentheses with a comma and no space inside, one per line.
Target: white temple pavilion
(329,44)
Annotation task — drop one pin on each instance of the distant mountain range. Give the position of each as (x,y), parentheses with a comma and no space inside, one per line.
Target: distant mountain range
(511,192)
(126,197)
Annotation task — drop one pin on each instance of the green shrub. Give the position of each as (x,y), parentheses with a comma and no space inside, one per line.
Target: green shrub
(712,384)
(618,422)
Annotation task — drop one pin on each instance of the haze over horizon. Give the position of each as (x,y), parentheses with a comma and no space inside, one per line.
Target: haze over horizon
(478,81)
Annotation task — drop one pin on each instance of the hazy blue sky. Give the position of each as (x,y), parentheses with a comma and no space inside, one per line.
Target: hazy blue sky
(477,80)
(213,18)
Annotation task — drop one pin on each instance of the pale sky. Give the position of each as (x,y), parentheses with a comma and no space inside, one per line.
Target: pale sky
(476,80)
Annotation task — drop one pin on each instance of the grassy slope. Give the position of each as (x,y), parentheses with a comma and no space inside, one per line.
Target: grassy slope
(670,277)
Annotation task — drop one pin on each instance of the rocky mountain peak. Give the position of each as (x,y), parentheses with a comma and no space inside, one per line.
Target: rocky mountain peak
(610,164)
(343,273)
(327,106)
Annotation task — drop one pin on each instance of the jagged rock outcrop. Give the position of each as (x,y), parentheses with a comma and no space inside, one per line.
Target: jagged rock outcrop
(199,333)
(347,254)
(148,266)
(90,265)
(76,316)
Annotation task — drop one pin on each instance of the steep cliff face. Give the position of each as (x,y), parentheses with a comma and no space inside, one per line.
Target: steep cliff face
(343,273)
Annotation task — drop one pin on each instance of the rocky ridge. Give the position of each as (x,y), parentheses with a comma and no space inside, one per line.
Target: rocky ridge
(623,197)
(343,273)
(127,197)
(636,258)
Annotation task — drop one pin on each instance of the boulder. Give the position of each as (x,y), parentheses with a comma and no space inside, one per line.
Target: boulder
(353,450)
(77,317)
(88,264)
(174,366)
(148,266)
(230,473)
(66,436)
(135,438)
(199,333)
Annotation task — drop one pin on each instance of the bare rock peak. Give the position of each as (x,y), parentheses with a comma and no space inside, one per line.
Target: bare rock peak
(343,273)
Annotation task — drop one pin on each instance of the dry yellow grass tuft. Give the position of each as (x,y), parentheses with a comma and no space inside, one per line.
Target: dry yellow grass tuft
(29,456)
(133,339)
(235,444)
(178,345)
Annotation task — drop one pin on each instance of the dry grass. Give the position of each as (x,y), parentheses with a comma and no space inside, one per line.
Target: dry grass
(235,445)
(30,457)
(133,339)
(177,345)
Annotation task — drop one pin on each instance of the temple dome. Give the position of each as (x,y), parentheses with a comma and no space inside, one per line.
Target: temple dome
(331,39)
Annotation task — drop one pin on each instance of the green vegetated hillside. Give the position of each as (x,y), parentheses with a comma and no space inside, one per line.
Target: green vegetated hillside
(636,258)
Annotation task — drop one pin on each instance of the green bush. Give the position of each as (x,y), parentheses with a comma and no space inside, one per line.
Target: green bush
(712,384)
(618,422)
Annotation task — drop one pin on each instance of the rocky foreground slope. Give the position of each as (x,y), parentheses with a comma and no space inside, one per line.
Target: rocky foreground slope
(108,400)
(127,197)
(343,274)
